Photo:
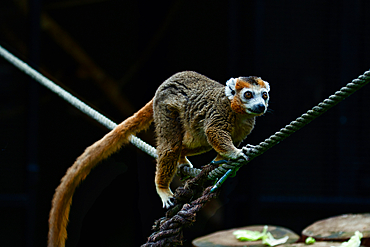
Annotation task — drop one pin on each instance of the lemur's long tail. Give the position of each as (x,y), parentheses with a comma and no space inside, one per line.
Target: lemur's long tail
(100,150)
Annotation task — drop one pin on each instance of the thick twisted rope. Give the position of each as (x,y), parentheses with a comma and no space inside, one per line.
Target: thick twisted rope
(169,229)
(170,232)
(72,100)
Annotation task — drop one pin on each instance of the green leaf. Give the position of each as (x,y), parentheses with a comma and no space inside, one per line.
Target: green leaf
(247,235)
(267,238)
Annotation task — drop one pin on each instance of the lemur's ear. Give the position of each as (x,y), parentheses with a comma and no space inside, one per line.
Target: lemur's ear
(267,86)
(230,88)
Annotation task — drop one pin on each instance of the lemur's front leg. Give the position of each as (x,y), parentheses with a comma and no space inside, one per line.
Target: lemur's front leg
(221,142)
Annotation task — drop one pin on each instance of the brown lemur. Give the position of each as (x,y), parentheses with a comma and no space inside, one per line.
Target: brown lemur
(192,114)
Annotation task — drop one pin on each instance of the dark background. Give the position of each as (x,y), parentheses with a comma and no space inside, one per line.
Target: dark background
(114,54)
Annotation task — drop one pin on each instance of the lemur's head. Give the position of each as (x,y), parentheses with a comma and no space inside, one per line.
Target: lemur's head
(248,95)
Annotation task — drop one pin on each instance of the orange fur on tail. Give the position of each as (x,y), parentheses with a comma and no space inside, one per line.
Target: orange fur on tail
(100,150)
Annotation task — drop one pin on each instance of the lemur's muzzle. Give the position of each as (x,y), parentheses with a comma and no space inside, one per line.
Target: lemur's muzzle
(258,109)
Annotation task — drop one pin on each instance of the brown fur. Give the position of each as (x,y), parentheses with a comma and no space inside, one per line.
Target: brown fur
(237,106)
(260,82)
(191,114)
(240,84)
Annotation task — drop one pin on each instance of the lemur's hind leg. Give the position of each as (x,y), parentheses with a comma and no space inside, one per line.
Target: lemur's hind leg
(169,143)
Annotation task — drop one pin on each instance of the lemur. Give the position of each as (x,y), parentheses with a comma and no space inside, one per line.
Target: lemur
(192,114)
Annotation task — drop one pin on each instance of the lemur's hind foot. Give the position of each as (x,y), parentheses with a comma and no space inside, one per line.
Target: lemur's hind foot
(166,196)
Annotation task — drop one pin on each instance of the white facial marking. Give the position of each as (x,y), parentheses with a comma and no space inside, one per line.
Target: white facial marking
(267,86)
(230,88)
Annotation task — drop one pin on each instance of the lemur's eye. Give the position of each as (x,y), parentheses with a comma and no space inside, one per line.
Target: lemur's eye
(248,95)
(265,95)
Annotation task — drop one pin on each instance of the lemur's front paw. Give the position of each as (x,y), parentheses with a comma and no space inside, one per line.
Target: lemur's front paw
(249,146)
(166,196)
(250,149)
(238,161)
(242,155)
